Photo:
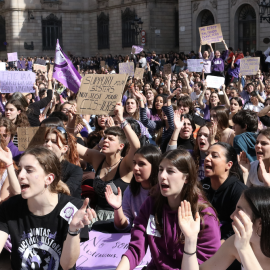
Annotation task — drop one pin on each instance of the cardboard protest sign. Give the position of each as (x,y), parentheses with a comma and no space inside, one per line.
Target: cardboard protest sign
(167,69)
(30,136)
(180,63)
(249,66)
(126,68)
(17,81)
(104,251)
(102,64)
(195,65)
(215,82)
(21,64)
(211,34)
(99,94)
(2,66)
(39,67)
(40,62)
(139,73)
(12,57)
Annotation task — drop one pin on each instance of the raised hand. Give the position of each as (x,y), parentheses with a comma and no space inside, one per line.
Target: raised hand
(115,201)
(264,174)
(110,122)
(118,111)
(82,217)
(189,227)
(242,227)
(78,129)
(72,111)
(6,155)
(41,117)
(213,132)
(178,121)
(243,162)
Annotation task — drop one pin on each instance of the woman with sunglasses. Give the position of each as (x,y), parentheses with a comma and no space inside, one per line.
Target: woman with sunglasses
(63,145)
(110,167)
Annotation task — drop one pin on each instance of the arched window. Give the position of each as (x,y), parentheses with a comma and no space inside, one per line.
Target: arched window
(128,32)
(103,31)
(247,29)
(51,31)
(2,34)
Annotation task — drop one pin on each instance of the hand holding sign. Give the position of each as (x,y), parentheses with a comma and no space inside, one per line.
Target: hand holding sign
(82,217)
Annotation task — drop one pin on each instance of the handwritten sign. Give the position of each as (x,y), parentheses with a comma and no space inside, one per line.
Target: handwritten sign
(102,64)
(104,251)
(195,65)
(249,66)
(99,94)
(167,69)
(37,67)
(211,34)
(12,57)
(2,66)
(139,73)
(40,62)
(17,81)
(126,68)
(21,64)
(30,136)
(215,82)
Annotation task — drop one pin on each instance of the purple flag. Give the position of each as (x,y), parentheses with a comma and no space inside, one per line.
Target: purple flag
(138,49)
(64,71)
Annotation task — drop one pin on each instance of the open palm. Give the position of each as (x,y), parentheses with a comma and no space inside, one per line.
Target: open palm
(187,224)
(6,155)
(243,162)
(113,200)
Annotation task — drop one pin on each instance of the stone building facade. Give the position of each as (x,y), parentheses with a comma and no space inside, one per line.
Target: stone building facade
(88,27)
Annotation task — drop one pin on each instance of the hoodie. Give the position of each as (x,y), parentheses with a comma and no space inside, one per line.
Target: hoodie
(218,63)
(166,250)
(224,200)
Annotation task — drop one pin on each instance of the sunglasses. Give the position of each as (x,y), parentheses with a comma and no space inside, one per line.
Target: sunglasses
(63,131)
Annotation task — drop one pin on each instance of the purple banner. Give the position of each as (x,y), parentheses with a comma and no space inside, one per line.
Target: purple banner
(21,64)
(12,57)
(64,71)
(138,49)
(17,81)
(104,251)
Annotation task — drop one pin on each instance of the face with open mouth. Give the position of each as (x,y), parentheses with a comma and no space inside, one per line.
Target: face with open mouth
(142,170)
(31,177)
(215,163)
(111,144)
(170,179)
(262,147)
(131,106)
(186,130)
(202,139)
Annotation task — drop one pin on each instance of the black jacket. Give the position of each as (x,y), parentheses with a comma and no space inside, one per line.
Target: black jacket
(72,176)
(224,200)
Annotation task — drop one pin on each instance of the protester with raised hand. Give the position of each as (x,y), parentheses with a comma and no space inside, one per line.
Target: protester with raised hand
(207,59)
(250,244)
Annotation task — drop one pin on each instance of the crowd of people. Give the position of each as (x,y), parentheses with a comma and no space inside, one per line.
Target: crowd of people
(183,167)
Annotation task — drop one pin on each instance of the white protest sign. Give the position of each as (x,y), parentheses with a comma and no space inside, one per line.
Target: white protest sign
(267,59)
(249,66)
(266,53)
(2,66)
(195,65)
(214,81)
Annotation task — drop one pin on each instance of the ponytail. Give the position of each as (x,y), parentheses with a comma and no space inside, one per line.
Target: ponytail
(62,188)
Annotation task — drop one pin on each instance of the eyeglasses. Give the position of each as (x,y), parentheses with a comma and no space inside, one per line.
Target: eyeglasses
(101,116)
(63,131)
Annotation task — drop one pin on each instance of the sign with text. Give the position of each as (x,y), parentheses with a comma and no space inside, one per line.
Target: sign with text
(99,94)
(17,81)
(249,66)
(37,67)
(2,66)
(136,49)
(211,34)
(12,57)
(215,82)
(30,136)
(102,64)
(21,64)
(167,69)
(104,251)
(126,68)
(195,65)
(139,73)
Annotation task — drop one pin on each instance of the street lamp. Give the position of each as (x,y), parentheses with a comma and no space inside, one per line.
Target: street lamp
(137,24)
(263,8)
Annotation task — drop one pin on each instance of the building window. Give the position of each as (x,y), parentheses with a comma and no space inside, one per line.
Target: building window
(176,27)
(51,31)
(128,32)
(103,31)
(2,34)
(247,29)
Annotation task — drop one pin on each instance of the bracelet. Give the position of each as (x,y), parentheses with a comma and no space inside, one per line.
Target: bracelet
(118,207)
(74,233)
(9,165)
(190,253)
(124,123)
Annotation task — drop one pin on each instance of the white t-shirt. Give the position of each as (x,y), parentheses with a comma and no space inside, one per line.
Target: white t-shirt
(194,96)
(253,175)
(143,62)
(250,106)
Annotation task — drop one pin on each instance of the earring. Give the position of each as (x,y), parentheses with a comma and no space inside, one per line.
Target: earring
(257,232)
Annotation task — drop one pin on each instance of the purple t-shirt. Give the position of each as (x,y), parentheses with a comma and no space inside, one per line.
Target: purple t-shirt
(235,72)
(218,63)
(206,112)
